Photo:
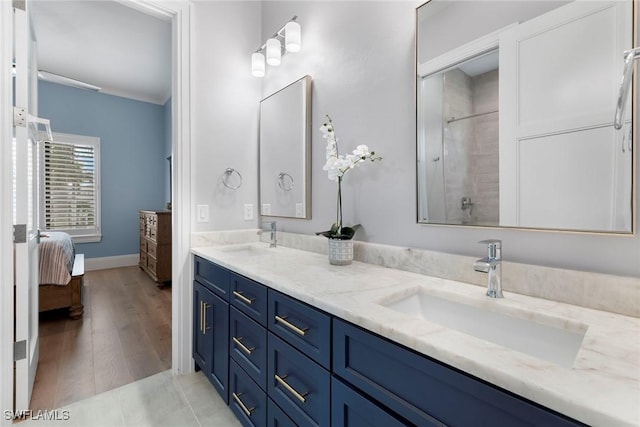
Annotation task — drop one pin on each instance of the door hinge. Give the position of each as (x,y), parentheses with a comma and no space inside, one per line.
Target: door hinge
(19,117)
(20,233)
(19,350)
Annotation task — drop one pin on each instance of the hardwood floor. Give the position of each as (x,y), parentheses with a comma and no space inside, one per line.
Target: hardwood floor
(124,336)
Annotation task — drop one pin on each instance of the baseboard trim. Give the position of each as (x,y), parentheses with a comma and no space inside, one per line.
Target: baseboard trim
(106,262)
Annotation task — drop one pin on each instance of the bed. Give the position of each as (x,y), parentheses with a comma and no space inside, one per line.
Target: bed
(61,273)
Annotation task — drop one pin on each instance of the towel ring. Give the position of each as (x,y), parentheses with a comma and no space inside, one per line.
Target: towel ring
(227,174)
(285,181)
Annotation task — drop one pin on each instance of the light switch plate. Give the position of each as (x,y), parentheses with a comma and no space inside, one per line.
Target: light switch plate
(266,209)
(202,213)
(299,210)
(248,211)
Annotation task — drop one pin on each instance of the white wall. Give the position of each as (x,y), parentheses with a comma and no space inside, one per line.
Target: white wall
(361,58)
(225,100)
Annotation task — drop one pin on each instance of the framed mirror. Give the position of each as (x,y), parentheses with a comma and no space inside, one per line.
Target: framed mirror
(515,108)
(285,152)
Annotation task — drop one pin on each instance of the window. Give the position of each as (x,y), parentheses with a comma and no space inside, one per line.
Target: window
(71,186)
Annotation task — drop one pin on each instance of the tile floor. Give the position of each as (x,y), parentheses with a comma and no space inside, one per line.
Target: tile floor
(159,400)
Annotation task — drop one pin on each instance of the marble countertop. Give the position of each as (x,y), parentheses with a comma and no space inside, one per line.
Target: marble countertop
(601,388)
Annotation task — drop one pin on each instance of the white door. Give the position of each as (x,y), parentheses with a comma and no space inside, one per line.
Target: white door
(25,212)
(559,79)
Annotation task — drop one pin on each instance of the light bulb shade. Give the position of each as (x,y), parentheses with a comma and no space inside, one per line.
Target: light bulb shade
(274,52)
(257,64)
(292,36)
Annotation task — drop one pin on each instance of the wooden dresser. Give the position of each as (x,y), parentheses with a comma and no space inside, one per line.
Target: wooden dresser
(155,244)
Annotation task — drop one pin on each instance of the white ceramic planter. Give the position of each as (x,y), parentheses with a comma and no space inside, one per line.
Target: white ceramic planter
(340,251)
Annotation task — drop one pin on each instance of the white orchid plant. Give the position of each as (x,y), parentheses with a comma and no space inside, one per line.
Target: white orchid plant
(337,166)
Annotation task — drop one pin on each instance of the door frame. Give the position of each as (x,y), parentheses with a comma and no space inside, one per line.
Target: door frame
(6,211)
(179,13)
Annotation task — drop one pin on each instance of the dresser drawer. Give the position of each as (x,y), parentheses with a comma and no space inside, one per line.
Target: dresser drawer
(143,259)
(152,265)
(143,244)
(297,384)
(302,326)
(153,233)
(248,346)
(246,399)
(152,250)
(212,276)
(249,297)
(276,416)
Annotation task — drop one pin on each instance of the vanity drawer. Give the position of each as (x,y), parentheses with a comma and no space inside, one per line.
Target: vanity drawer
(248,346)
(297,384)
(247,401)
(276,416)
(249,297)
(302,326)
(350,409)
(212,276)
(426,392)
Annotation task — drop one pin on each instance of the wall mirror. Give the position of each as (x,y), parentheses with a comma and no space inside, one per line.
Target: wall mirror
(515,108)
(285,151)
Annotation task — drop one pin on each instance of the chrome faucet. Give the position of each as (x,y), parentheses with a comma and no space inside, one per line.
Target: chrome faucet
(492,265)
(272,229)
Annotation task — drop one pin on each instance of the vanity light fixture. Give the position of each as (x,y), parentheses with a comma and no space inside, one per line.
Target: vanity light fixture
(286,39)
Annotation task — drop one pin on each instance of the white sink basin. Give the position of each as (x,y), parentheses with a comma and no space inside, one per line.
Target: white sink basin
(552,343)
(247,249)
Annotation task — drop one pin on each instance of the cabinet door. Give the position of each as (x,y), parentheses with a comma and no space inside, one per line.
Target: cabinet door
(201,341)
(212,348)
(350,409)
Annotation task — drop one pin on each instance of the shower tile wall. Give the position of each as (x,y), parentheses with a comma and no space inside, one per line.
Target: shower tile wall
(471,146)
(484,158)
(458,136)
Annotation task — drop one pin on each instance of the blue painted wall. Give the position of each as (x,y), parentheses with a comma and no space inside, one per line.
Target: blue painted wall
(132,156)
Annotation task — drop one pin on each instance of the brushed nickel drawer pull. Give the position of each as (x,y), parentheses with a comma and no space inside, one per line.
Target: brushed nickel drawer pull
(294,328)
(301,397)
(238,341)
(244,408)
(242,298)
(201,316)
(204,322)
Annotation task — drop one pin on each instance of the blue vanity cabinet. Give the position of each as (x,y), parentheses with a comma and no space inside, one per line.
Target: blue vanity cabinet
(249,297)
(247,401)
(248,346)
(297,384)
(350,409)
(302,326)
(211,324)
(426,392)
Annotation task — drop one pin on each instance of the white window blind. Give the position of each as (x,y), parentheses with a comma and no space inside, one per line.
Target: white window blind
(71,201)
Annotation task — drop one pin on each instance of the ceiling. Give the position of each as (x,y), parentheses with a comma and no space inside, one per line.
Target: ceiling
(106,44)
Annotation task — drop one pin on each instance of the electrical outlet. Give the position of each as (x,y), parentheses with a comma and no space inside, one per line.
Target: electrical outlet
(266,209)
(248,211)
(202,213)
